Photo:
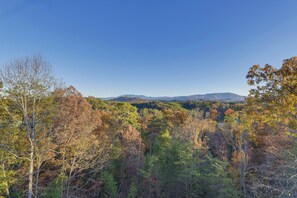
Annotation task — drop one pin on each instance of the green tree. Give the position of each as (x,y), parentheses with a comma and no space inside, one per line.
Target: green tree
(274,99)
(271,113)
(109,185)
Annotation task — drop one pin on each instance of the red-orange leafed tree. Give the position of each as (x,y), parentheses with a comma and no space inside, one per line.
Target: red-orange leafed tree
(83,149)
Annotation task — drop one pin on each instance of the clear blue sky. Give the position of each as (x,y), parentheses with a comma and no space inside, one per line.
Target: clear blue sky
(152,47)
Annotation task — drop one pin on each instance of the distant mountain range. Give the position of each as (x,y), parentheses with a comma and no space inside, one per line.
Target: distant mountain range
(223,97)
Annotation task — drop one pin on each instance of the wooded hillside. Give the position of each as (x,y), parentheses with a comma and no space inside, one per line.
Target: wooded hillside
(56,143)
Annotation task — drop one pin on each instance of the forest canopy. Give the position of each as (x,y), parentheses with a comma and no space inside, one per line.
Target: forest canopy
(55,142)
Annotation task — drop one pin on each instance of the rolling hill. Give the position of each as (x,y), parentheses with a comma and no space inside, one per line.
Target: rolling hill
(223,97)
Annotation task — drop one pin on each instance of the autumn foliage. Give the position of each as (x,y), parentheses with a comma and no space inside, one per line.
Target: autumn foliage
(56,143)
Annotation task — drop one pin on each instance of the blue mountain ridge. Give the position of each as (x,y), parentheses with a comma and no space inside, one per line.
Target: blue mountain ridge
(224,97)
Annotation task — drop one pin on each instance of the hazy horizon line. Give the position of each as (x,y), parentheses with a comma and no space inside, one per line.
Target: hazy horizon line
(121,95)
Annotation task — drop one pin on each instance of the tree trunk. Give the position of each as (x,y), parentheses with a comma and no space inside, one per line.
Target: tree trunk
(68,188)
(37,179)
(31,158)
(31,169)
(31,165)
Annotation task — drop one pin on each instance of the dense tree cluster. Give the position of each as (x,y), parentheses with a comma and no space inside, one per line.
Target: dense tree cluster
(56,143)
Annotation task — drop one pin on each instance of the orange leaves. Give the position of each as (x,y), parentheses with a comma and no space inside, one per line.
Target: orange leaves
(214,114)
(75,118)
(228,112)
(176,117)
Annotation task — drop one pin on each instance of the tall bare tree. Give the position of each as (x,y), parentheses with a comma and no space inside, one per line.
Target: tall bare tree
(27,84)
